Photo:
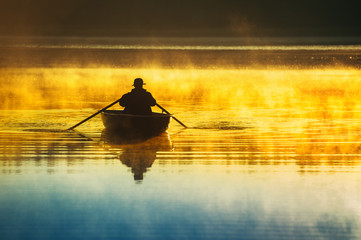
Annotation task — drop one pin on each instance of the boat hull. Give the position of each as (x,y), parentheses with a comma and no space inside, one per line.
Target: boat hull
(135,125)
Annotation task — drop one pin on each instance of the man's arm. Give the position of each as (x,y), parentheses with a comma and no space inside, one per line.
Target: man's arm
(151,100)
(124,100)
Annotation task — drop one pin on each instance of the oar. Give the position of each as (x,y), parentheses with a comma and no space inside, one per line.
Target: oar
(93,115)
(172,116)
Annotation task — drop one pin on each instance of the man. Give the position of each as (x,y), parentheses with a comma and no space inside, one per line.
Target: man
(138,101)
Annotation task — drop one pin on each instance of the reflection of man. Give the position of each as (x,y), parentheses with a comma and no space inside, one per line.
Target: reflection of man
(138,161)
(140,156)
(138,101)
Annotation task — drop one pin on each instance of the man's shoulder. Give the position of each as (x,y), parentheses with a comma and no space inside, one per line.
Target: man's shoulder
(140,91)
(149,95)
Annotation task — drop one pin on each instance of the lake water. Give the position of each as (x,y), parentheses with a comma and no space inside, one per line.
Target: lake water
(270,153)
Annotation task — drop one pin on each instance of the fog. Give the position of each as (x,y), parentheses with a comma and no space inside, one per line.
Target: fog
(53,88)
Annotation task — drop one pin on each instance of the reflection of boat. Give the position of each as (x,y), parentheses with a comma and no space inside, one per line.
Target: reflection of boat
(137,125)
(137,153)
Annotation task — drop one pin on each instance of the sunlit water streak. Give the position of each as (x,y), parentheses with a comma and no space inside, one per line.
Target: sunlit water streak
(195,47)
(198,43)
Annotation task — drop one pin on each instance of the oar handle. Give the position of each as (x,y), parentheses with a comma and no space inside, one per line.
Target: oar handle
(172,116)
(71,128)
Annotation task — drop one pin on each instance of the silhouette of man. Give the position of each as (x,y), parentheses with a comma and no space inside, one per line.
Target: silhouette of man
(138,101)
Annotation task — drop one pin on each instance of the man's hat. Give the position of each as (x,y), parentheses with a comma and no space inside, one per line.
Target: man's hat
(138,81)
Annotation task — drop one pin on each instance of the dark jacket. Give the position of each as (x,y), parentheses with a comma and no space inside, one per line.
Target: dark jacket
(138,102)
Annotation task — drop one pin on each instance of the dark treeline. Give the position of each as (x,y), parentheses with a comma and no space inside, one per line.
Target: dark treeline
(180,17)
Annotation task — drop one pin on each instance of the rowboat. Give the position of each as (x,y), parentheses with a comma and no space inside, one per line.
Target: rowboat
(135,125)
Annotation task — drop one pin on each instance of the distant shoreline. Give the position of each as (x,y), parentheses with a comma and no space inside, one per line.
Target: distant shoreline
(26,57)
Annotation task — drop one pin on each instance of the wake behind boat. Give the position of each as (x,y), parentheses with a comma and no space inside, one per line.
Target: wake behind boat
(137,125)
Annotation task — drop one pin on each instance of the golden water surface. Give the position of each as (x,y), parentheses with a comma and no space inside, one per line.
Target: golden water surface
(269,154)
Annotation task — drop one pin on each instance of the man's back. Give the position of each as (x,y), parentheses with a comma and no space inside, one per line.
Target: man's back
(138,102)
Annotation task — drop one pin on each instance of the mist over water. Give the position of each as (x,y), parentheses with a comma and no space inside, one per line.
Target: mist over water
(330,90)
(55,72)
(272,150)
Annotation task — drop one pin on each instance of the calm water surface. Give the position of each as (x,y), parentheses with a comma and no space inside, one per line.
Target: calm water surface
(234,174)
